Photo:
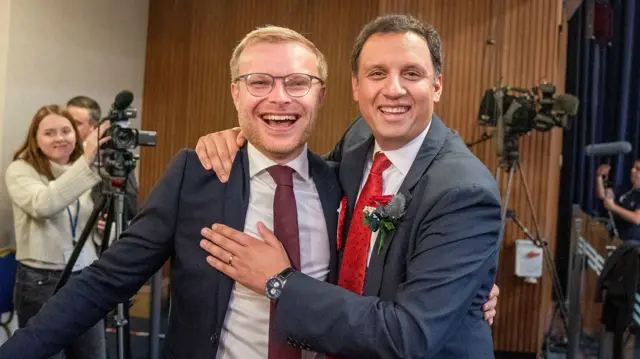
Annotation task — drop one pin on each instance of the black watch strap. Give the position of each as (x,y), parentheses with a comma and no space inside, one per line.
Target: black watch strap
(284,275)
(276,283)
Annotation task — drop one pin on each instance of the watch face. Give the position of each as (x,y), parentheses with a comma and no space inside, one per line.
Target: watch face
(274,288)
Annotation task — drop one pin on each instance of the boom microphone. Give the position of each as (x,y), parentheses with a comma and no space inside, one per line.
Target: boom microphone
(606,149)
(123,100)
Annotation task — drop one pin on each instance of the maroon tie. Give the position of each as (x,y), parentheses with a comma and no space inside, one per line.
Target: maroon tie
(285,227)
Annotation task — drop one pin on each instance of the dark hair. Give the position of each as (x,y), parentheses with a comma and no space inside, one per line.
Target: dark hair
(90,104)
(29,151)
(397,23)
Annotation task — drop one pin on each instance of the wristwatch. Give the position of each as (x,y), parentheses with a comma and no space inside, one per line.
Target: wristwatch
(276,283)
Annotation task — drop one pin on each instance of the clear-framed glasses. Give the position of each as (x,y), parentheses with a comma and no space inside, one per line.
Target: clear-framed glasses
(296,85)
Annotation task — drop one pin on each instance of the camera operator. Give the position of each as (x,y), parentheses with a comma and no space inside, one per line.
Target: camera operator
(87,114)
(49,183)
(623,205)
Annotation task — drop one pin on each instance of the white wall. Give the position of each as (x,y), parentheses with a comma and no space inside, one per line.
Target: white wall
(5,214)
(51,51)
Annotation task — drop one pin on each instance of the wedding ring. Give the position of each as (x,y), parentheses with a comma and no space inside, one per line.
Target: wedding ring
(230,259)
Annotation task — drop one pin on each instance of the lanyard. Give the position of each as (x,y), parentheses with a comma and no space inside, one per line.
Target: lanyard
(73,221)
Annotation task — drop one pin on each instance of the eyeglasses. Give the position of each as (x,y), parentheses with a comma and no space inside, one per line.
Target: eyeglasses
(296,85)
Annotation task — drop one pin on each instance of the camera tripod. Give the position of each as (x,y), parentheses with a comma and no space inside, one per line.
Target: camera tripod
(512,165)
(113,202)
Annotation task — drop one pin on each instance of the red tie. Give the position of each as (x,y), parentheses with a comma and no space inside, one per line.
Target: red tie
(356,250)
(285,227)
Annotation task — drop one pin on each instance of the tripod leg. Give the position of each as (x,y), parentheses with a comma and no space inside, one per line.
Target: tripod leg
(555,281)
(155,313)
(505,206)
(91,222)
(122,321)
(556,286)
(547,334)
(107,229)
(547,256)
(529,200)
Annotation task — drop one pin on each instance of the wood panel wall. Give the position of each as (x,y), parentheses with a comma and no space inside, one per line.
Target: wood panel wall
(187,95)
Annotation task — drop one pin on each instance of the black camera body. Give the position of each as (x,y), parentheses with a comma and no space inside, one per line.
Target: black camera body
(524,110)
(123,137)
(515,112)
(117,155)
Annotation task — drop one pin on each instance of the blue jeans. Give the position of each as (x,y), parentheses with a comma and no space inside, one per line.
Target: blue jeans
(32,289)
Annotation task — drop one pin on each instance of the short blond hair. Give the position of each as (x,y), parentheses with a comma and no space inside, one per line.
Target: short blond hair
(275,34)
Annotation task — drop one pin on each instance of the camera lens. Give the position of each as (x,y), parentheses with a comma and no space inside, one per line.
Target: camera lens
(124,137)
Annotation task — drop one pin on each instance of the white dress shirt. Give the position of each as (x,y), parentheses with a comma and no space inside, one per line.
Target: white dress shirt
(245,333)
(392,178)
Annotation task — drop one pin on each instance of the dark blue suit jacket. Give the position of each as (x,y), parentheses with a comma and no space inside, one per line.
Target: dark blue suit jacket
(186,199)
(423,293)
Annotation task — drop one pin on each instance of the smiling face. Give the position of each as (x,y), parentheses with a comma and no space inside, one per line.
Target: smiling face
(56,138)
(277,124)
(395,87)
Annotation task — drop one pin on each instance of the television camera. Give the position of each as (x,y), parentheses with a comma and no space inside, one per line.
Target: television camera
(119,160)
(516,111)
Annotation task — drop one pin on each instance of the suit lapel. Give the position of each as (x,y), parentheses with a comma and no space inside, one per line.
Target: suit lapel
(432,144)
(329,193)
(236,203)
(351,172)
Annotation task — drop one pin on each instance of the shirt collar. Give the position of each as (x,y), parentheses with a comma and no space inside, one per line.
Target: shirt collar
(403,157)
(258,162)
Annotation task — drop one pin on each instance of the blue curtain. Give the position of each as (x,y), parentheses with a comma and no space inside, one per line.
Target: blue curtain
(606,78)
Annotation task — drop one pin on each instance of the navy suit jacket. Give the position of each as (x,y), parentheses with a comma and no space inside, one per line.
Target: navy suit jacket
(423,293)
(186,199)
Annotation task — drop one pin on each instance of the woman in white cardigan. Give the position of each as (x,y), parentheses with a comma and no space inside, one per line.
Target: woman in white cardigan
(49,182)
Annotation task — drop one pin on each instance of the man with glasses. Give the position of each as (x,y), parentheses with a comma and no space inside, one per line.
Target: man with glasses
(418,243)
(276,183)
(296,85)
(211,316)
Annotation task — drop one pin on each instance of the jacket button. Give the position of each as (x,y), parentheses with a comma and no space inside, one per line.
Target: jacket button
(214,338)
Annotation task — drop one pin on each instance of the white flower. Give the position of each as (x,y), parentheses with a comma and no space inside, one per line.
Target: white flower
(368,210)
